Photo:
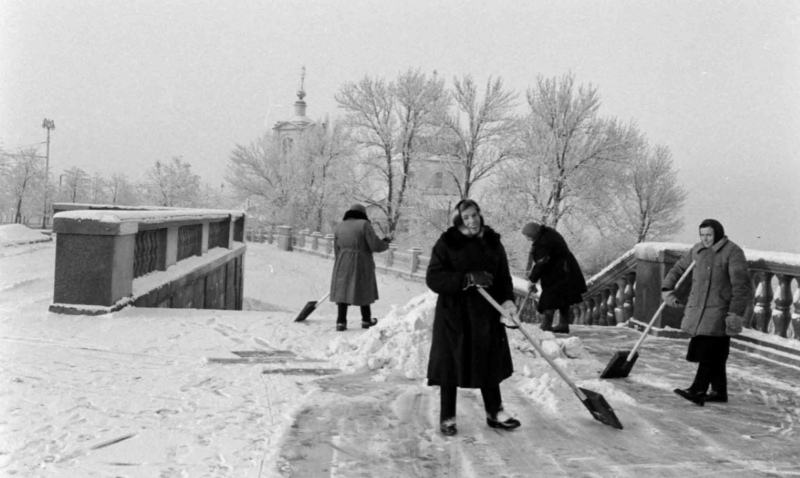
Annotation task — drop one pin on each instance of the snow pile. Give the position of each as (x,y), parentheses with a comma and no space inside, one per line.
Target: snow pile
(399,343)
(11,234)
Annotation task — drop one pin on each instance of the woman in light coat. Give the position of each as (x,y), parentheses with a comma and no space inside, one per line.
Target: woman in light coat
(353,281)
(721,291)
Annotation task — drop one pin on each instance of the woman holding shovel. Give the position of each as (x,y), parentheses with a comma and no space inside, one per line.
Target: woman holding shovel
(721,291)
(470,347)
(353,281)
(551,262)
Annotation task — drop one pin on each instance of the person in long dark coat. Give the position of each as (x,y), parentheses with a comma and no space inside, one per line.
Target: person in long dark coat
(721,291)
(470,347)
(551,263)
(353,281)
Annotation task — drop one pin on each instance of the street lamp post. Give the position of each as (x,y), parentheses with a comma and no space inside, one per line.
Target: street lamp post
(48,124)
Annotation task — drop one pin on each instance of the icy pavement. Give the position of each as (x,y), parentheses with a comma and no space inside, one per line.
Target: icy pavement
(193,393)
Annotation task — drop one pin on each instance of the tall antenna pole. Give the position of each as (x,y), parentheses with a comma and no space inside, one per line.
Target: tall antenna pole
(48,124)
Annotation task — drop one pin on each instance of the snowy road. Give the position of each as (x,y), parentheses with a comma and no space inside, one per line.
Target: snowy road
(192,393)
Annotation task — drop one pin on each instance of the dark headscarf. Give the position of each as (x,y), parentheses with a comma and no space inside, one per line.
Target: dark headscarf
(356,211)
(532,230)
(462,206)
(719,231)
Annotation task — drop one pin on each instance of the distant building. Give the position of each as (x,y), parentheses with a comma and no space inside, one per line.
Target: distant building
(288,132)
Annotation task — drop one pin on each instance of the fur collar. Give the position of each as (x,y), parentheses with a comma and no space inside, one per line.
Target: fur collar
(454,239)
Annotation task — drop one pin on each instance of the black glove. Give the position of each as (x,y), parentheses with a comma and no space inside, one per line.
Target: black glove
(478,278)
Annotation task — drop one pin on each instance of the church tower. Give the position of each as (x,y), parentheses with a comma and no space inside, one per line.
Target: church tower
(287,132)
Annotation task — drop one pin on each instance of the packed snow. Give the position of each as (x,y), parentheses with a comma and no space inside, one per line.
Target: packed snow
(18,234)
(173,393)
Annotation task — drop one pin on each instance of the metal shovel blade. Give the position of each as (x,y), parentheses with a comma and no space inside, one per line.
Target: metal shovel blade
(600,409)
(306,311)
(619,366)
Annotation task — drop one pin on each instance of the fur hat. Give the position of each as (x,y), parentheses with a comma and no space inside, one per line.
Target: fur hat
(532,230)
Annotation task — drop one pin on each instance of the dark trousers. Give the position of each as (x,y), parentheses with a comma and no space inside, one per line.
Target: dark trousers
(711,355)
(341,316)
(563,317)
(492,401)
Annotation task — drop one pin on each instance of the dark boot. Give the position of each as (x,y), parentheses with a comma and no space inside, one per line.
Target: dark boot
(502,421)
(698,398)
(547,320)
(448,427)
(719,384)
(560,329)
(341,317)
(366,325)
(718,397)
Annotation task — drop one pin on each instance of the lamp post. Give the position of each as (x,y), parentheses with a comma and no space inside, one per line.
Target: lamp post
(48,124)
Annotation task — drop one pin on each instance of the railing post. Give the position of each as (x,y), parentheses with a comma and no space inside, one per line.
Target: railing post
(284,238)
(628,296)
(762,313)
(204,239)
(794,331)
(783,305)
(328,243)
(415,253)
(94,262)
(315,240)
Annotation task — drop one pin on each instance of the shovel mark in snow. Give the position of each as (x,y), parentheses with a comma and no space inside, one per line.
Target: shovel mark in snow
(302,371)
(113,442)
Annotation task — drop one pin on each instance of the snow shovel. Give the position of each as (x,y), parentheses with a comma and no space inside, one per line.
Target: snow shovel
(310,307)
(593,401)
(622,361)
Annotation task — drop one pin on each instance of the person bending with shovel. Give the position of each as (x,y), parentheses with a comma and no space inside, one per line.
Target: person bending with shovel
(721,290)
(551,262)
(470,347)
(353,281)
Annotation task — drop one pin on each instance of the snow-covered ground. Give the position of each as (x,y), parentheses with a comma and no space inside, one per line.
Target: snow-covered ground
(203,393)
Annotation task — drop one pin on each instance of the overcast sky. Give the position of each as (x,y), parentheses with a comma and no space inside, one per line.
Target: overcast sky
(131,82)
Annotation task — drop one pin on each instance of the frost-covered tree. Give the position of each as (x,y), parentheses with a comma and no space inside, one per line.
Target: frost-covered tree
(172,184)
(569,151)
(388,119)
(73,185)
(478,132)
(23,181)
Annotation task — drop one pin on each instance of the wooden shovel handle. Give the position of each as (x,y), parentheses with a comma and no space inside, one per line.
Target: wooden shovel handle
(533,342)
(658,313)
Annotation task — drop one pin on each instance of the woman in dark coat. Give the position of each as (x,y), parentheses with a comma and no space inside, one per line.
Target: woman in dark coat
(470,346)
(721,291)
(353,281)
(561,277)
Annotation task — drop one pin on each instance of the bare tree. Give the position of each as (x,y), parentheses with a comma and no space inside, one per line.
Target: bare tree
(72,184)
(98,191)
(650,198)
(324,153)
(569,150)
(172,184)
(479,134)
(121,191)
(388,120)
(23,180)
(261,173)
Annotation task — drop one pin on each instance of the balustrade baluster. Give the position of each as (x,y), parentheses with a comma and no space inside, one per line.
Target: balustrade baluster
(762,313)
(601,308)
(794,324)
(611,305)
(629,296)
(782,316)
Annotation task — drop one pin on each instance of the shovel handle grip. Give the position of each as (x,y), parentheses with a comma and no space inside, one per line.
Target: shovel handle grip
(324,297)
(533,342)
(658,313)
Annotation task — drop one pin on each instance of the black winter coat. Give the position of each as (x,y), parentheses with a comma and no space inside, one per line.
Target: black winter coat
(561,277)
(470,346)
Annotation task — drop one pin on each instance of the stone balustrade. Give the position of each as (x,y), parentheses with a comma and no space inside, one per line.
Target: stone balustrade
(630,288)
(108,258)
(410,264)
